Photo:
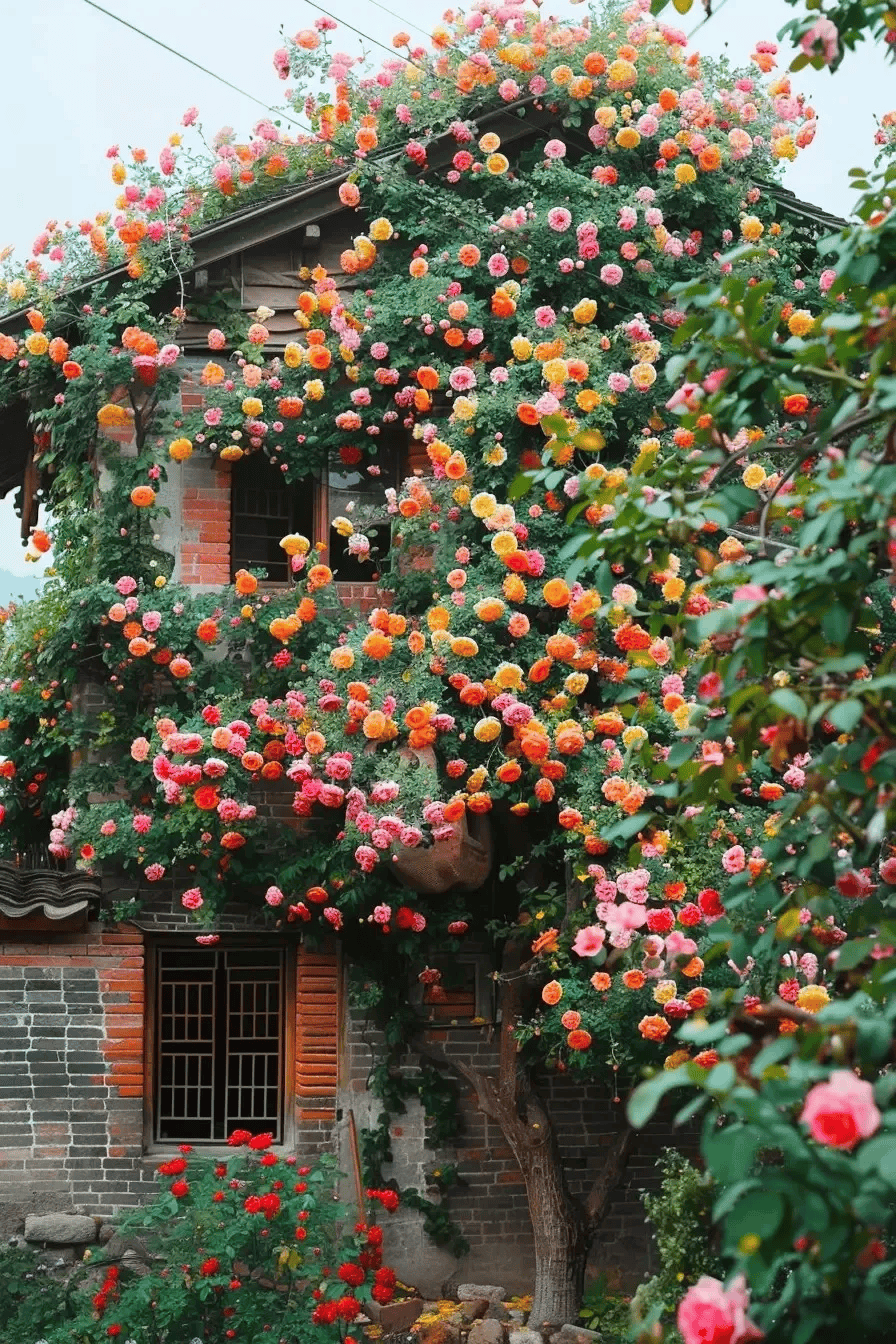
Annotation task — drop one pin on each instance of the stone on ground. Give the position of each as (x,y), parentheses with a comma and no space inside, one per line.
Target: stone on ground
(470,1292)
(61,1229)
(486,1332)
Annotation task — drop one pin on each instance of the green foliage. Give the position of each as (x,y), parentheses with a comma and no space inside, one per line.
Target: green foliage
(605,1310)
(33,1296)
(244,1243)
(681,1215)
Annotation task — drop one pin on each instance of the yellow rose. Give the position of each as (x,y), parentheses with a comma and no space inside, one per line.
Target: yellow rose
(754,476)
(252,407)
(628,138)
(751,228)
(483,505)
(685,173)
(800,324)
(381,230)
(584,311)
(504,543)
(643,375)
(509,677)
(555,371)
(681,717)
(295,544)
(486,730)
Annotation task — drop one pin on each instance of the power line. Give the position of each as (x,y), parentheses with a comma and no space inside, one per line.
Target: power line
(180,55)
(706,18)
(367,38)
(400,18)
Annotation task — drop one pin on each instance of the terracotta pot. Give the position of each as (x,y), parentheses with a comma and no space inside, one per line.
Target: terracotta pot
(395,1317)
(463,862)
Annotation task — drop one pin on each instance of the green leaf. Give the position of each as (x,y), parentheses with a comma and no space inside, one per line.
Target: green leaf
(645,1099)
(852,953)
(789,701)
(845,714)
(729,1153)
(835,624)
(760,1213)
(555,426)
(682,751)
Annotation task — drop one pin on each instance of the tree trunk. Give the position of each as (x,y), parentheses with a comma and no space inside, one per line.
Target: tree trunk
(562,1238)
(563,1226)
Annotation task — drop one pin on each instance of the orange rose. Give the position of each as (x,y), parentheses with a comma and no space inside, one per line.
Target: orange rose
(654,1028)
(556,593)
(376,645)
(552,992)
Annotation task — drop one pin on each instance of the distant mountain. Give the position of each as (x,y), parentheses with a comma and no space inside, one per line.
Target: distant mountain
(18,587)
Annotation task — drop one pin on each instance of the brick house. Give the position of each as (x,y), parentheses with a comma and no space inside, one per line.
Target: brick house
(121,1041)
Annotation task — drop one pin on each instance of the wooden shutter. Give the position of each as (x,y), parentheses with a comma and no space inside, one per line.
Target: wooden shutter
(317,1023)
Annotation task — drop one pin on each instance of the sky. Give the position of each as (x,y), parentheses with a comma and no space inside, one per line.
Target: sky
(81,81)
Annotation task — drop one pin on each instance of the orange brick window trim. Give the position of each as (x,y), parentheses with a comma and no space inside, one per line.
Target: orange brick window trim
(317,1024)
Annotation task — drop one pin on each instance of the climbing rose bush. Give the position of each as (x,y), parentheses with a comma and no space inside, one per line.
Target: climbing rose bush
(635,622)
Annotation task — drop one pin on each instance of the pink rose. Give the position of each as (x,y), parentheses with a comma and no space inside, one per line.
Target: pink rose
(192,899)
(822,39)
(710,1313)
(841,1111)
(588,942)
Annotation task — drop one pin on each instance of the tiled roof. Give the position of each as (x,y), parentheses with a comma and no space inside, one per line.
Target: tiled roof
(41,891)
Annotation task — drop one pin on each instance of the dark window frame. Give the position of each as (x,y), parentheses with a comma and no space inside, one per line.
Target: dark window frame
(226,952)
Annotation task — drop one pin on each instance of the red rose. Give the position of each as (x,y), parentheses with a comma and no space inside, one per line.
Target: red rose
(179,1189)
(175,1167)
(710,902)
(259,1141)
(351,1274)
(209,1266)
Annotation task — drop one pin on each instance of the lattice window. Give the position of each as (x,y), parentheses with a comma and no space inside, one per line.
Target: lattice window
(264,509)
(219,1043)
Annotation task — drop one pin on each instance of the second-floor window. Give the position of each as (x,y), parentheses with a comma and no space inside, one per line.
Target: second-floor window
(265,508)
